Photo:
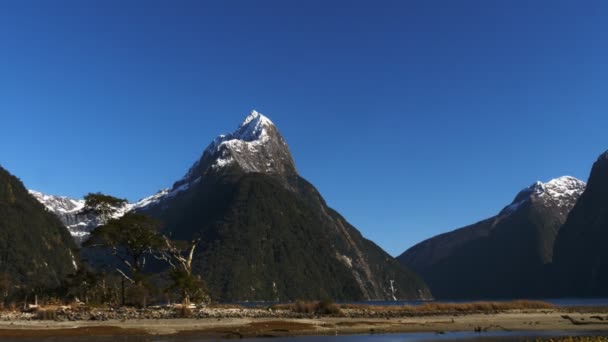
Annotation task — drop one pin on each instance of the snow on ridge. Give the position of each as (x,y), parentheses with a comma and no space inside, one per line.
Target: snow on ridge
(248,139)
(559,188)
(250,134)
(146,201)
(563,191)
(80,225)
(58,203)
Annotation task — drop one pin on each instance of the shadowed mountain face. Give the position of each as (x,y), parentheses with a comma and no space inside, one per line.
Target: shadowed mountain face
(267,233)
(581,249)
(35,248)
(505,256)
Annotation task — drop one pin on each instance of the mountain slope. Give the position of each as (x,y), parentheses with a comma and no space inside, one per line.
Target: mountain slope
(79,225)
(35,249)
(267,233)
(581,256)
(503,256)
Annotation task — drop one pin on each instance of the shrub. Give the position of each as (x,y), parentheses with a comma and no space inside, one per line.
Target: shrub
(304,307)
(324,307)
(46,314)
(328,307)
(184,312)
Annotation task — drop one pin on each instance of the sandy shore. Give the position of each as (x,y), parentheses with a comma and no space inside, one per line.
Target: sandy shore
(552,320)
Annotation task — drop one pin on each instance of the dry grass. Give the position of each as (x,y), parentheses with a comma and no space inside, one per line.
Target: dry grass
(225,306)
(184,312)
(484,306)
(70,332)
(311,307)
(574,339)
(48,314)
(433,307)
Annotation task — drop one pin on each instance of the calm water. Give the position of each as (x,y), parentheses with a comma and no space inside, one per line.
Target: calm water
(555,301)
(409,337)
(412,337)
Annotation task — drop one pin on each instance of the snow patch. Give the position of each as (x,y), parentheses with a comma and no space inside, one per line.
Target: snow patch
(345,259)
(562,191)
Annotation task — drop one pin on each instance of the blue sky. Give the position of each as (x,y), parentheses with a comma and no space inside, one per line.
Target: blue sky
(411,117)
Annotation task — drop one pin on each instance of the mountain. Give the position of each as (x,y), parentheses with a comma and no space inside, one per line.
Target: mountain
(36,251)
(267,233)
(504,256)
(79,225)
(581,256)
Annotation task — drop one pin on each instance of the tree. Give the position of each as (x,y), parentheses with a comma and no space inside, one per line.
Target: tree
(179,255)
(82,283)
(103,206)
(6,285)
(130,238)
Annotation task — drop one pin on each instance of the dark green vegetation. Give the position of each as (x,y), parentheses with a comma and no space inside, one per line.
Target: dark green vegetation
(36,251)
(502,257)
(506,256)
(243,222)
(262,240)
(102,206)
(134,237)
(581,251)
(267,234)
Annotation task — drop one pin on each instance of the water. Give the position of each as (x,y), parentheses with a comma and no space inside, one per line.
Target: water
(410,337)
(404,337)
(554,301)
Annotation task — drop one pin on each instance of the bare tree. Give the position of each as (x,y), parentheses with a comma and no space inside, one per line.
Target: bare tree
(179,256)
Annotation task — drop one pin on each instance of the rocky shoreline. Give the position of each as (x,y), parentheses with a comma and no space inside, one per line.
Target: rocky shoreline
(74,314)
(228,322)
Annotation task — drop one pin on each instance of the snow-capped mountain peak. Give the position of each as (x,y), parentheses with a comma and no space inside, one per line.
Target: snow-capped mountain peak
(255,146)
(562,192)
(557,188)
(254,127)
(58,204)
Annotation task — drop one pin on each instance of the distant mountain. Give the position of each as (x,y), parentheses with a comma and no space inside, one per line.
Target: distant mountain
(581,249)
(79,225)
(36,251)
(267,233)
(503,256)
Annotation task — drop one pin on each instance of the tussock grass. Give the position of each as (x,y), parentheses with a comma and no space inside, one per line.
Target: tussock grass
(324,307)
(49,314)
(225,306)
(574,339)
(433,307)
(184,312)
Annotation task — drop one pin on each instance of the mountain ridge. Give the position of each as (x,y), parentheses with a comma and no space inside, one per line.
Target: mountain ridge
(245,184)
(495,256)
(36,250)
(581,257)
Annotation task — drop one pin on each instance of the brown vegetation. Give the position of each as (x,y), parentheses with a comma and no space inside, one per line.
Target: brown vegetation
(323,307)
(70,332)
(473,307)
(574,339)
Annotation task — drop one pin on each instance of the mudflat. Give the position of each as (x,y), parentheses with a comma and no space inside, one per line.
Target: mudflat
(516,320)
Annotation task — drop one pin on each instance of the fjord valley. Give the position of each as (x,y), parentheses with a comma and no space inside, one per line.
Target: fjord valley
(265,233)
(435,170)
(539,246)
(258,231)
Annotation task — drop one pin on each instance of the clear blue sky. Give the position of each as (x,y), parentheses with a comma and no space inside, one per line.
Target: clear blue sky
(411,117)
